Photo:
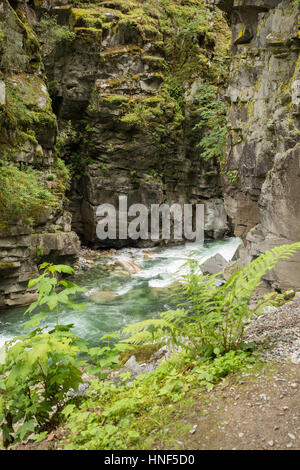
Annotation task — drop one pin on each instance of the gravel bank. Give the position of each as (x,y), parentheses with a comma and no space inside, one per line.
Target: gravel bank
(278,330)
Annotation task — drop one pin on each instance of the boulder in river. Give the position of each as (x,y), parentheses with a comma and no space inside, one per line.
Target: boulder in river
(217,263)
(214,265)
(128,265)
(102,296)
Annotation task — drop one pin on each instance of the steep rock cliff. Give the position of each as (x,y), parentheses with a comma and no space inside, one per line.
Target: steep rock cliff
(263,194)
(34,223)
(127,89)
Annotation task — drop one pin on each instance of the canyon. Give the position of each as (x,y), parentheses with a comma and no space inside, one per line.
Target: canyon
(102,99)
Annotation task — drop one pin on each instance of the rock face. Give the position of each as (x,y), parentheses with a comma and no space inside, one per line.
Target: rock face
(263,164)
(125,86)
(34,223)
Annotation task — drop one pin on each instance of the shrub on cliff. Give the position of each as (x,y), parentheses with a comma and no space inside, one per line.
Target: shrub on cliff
(22,194)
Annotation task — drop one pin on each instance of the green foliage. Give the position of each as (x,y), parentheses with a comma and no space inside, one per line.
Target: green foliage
(213,319)
(25,118)
(134,179)
(39,251)
(156,176)
(49,298)
(51,34)
(212,123)
(62,174)
(103,166)
(23,94)
(78,163)
(126,416)
(23,194)
(66,135)
(142,114)
(106,358)
(39,369)
(231,175)
(175,89)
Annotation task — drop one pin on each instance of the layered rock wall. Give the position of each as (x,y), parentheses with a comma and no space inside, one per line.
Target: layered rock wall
(262,196)
(34,223)
(125,91)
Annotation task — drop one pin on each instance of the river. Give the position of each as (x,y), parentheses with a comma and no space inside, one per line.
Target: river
(140,296)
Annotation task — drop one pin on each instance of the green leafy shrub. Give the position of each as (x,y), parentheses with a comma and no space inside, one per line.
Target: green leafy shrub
(51,34)
(39,369)
(53,295)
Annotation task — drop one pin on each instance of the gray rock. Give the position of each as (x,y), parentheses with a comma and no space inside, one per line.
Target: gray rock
(132,366)
(264,149)
(103,296)
(213,265)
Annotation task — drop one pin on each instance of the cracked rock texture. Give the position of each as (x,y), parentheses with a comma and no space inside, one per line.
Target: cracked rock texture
(125,93)
(264,150)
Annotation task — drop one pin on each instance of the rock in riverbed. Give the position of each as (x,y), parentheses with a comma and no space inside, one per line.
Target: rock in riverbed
(128,266)
(103,296)
(213,265)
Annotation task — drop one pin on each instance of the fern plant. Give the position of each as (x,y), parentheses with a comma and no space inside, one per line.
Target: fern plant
(212,123)
(211,320)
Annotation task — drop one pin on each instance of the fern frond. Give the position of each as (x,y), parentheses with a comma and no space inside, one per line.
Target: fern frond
(142,337)
(135,328)
(174,315)
(242,284)
(153,329)
(212,316)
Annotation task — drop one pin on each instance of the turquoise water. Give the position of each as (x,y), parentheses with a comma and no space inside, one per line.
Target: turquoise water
(140,296)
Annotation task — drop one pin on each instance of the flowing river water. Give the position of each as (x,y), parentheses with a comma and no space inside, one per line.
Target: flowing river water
(140,296)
